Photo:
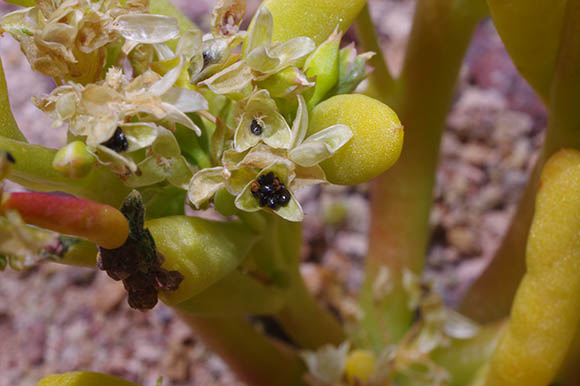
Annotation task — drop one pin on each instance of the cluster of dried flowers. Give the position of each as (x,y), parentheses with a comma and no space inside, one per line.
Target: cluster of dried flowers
(198,112)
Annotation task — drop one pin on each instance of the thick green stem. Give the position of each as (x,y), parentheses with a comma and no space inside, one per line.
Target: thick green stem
(254,358)
(381,82)
(234,295)
(491,295)
(33,169)
(303,318)
(401,197)
(463,357)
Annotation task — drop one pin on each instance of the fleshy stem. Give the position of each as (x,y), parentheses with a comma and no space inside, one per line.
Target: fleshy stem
(381,82)
(491,295)
(256,359)
(306,321)
(401,198)
(33,170)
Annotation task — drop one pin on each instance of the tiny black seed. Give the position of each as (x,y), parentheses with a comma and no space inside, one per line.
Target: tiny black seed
(256,128)
(10,158)
(258,194)
(263,201)
(272,202)
(118,142)
(283,197)
(267,189)
(266,179)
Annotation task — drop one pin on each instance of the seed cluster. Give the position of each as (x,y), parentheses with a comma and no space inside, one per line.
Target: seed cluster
(118,142)
(255,128)
(270,191)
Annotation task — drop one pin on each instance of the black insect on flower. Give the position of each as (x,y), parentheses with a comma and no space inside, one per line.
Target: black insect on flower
(118,142)
(270,191)
(256,128)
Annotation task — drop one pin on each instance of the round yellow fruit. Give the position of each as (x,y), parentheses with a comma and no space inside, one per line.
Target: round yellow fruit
(376,143)
(315,19)
(359,366)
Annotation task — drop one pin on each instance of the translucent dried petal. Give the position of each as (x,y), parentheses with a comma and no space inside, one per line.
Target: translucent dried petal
(260,31)
(307,176)
(205,183)
(227,16)
(275,131)
(152,171)
(166,144)
(326,365)
(290,81)
(139,135)
(181,173)
(146,28)
(22,243)
(300,125)
(458,326)
(321,145)
(189,44)
(119,163)
(293,49)
(260,59)
(166,83)
(233,79)
(185,100)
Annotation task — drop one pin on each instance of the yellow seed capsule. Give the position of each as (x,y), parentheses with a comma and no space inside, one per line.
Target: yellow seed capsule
(315,19)
(83,378)
(359,366)
(376,143)
(546,310)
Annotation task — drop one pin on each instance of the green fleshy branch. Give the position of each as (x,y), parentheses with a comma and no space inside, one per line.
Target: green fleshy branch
(491,295)
(402,197)
(33,170)
(253,357)
(381,82)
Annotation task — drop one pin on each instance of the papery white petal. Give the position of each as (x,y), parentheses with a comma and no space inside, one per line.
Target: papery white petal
(147,28)
(260,32)
(205,183)
(185,99)
(166,83)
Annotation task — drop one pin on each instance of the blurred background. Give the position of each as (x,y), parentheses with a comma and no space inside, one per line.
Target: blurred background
(55,318)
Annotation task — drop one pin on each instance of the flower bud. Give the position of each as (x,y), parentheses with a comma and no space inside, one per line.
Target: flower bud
(323,64)
(376,143)
(83,378)
(74,160)
(99,223)
(359,366)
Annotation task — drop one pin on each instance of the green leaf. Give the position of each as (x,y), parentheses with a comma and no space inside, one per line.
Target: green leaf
(323,64)
(22,3)
(531,32)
